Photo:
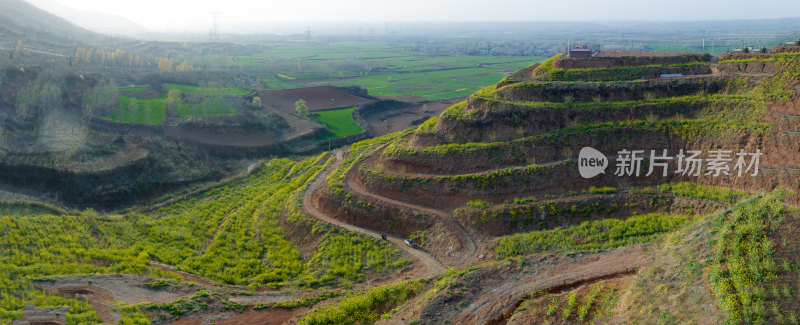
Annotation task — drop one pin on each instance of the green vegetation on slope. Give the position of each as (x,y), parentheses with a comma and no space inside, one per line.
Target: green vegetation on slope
(589,235)
(716,194)
(484,180)
(621,73)
(364,307)
(595,301)
(230,234)
(745,261)
(690,131)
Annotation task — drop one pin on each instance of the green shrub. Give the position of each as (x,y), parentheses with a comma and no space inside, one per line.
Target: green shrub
(745,258)
(602,190)
(364,307)
(479,204)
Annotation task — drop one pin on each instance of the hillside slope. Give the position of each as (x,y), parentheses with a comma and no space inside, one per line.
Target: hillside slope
(509,229)
(504,166)
(20,20)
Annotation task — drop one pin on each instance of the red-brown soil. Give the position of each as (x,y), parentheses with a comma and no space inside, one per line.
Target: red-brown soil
(232,136)
(189,320)
(523,317)
(354,184)
(100,298)
(104,290)
(43,316)
(489,295)
(188,277)
(401,119)
(429,265)
(220,137)
(317,98)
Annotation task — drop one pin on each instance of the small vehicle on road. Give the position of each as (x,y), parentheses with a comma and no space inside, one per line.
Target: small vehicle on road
(411,243)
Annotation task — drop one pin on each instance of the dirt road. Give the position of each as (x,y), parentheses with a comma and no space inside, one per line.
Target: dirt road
(431,266)
(353,184)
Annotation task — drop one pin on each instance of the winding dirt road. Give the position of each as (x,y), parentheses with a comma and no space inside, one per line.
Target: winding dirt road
(430,264)
(353,184)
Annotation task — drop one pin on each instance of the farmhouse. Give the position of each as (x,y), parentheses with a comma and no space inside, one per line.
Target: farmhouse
(580,52)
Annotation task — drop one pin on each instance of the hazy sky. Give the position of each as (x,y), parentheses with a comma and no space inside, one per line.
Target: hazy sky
(195,14)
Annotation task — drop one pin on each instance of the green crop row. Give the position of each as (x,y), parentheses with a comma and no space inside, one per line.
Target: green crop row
(576,305)
(745,258)
(621,73)
(523,215)
(589,235)
(745,61)
(716,194)
(688,130)
(484,180)
(736,91)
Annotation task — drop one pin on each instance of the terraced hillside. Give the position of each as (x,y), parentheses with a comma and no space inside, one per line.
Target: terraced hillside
(509,232)
(491,188)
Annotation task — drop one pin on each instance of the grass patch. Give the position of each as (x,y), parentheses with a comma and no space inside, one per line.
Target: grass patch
(339,122)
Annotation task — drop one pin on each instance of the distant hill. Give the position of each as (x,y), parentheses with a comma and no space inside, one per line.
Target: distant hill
(96,21)
(20,20)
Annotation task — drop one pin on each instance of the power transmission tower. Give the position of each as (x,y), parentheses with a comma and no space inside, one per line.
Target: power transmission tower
(308,33)
(213,35)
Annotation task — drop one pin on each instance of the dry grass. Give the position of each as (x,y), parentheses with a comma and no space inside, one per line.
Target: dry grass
(673,288)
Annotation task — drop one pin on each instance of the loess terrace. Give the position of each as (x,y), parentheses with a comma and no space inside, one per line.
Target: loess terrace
(509,232)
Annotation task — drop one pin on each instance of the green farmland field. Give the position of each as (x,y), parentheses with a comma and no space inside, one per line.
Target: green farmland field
(384,69)
(147,111)
(152,110)
(339,122)
(194,89)
(133,89)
